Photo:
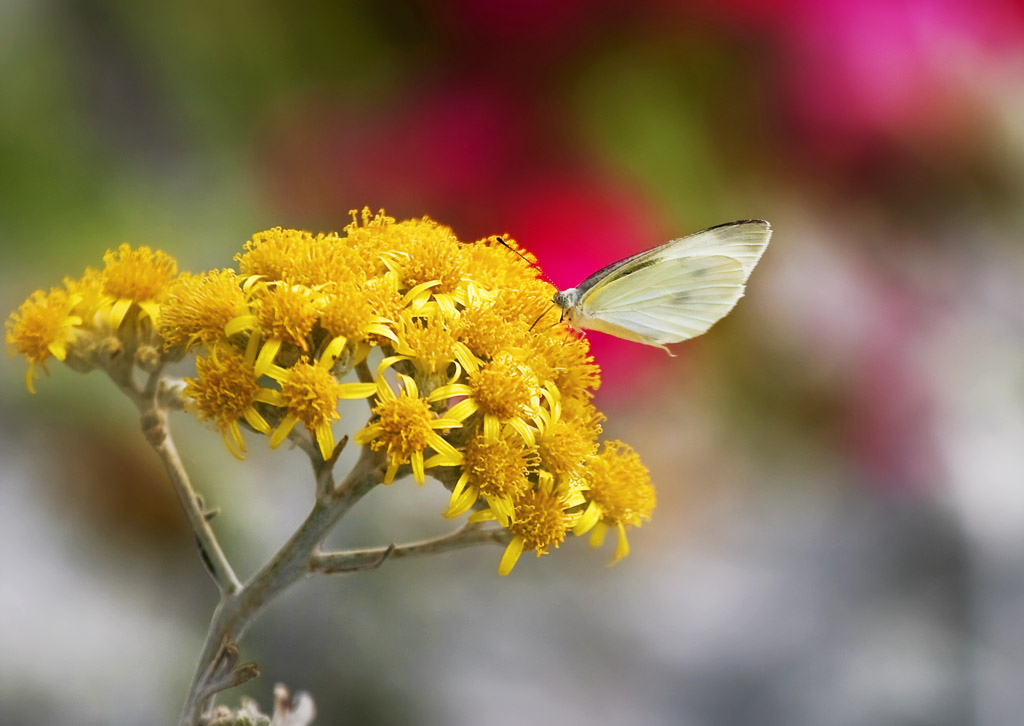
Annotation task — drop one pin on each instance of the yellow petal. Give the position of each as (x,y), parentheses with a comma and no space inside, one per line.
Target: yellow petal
(254,419)
(446,304)
(152,309)
(389,475)
(239,324)
(445,423)
(523,429)
(330,355)
(325,440)
(383,330)
(58,349)
(462,410)
(481,515)
(511,556)
(368,433)
(591,516)
(411,389)
(356,390)
(252,347)
(283,429)
(491,427)
(388,362)
(502,508)
(465,356)
(445,449)
(461,502)
(622,549)
(266,357)
(450,390)
(118,311)
(268,395)
(416,461)
(415,292)
(233,441)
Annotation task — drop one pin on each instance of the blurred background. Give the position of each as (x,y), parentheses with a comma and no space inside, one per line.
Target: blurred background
(840,463)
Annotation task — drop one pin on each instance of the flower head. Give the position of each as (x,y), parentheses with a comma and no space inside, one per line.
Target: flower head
(405,426)
(136,276)
(497,470)
(504,391)
(224,392)
(274,254)
(618,492)
(41,327)
(309,394)
(542,519)
(197,308)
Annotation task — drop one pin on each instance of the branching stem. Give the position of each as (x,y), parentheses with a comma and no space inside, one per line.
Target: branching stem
(292,562)
(218,667)
(371,558)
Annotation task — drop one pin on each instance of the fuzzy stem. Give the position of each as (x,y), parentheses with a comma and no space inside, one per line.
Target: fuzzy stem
(292,562)
(371,558)
(151,400)
(155,427)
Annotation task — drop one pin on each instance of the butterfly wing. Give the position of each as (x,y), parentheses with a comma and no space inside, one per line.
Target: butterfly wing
(676,291)
(744,241)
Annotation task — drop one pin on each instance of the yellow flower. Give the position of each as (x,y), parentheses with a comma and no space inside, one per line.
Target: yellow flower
(542,518)
(283,314)
(564,359)
(225,392)
(568,435)
(528,302)
(332,259)
(427,251)
(369,234)
(476,372)
(309,393)
(495,266)
(497,470)
(88,291)
(618,492)
(405,425)
(198,307)
(505,391)
(274,254)
(137,276)
(382,294)
(428,260)
(430,345)
(42,327)
(485,332)
(348,313)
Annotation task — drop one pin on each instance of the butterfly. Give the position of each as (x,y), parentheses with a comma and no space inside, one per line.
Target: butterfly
(673,292)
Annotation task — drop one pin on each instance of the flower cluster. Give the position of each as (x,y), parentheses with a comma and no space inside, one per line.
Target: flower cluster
(466,367)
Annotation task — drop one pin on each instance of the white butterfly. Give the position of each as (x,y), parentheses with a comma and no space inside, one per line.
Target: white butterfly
(670,293)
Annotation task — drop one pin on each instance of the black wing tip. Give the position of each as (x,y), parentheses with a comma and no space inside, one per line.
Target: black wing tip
(765,222)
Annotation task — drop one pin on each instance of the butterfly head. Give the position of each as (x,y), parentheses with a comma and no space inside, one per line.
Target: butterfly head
(567,300)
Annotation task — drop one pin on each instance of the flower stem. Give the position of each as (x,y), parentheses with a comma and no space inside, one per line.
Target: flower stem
(155,427)
(292,562)
(373,557)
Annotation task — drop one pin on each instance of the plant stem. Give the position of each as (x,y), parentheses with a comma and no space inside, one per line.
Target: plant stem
(155,426)
(292,562)
(372,557)
(151,403)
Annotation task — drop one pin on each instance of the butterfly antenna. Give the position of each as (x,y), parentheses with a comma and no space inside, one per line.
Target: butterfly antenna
(534,265)
(541,317)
